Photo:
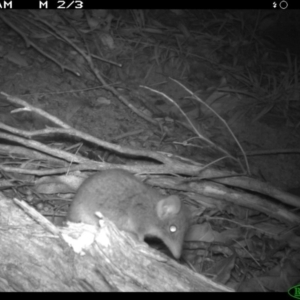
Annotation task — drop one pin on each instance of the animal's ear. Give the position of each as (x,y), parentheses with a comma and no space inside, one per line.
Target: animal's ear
(168,207)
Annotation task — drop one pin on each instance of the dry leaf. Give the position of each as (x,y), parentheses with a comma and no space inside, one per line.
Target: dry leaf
(16,58)
(58,184)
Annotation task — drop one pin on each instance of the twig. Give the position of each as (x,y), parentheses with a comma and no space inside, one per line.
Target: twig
(43,148)
(273,152)
(192,125)
(17,152)
(37,216)
(131,133)
(218,116)
(97,73)
(86,137)
(30,43)
(169,165)
(28,107)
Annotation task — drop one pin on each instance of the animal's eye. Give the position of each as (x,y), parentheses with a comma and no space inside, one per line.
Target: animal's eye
(173,228)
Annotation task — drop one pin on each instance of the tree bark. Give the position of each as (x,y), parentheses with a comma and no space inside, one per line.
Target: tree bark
(37,256)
